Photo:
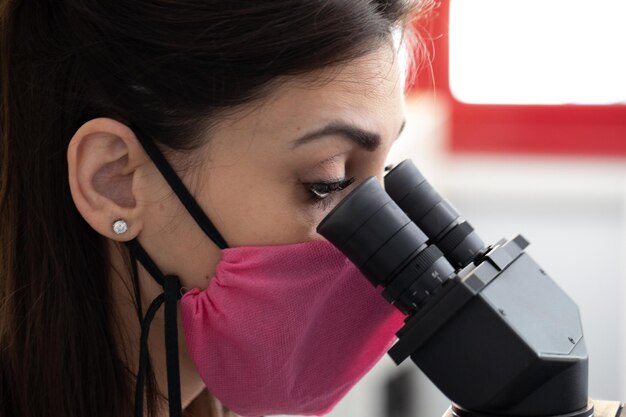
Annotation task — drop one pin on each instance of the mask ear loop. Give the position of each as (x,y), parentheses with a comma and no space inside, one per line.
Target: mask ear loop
(180,190)
(171,286)
(169,298)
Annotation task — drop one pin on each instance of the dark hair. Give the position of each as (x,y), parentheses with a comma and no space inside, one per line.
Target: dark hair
(163,65)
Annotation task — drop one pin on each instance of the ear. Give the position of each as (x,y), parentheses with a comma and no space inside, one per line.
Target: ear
(104,157)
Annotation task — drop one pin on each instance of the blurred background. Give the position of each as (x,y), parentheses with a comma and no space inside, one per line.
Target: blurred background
(520,121)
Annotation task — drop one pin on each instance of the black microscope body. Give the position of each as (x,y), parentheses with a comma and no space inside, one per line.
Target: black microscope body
(485,324)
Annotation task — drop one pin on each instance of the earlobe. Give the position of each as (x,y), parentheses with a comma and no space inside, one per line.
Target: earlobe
(103,160)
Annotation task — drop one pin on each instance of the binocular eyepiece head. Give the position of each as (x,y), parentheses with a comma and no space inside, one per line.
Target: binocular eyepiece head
(390,235)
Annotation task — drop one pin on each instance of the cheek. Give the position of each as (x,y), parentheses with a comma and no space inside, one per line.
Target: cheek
(268,222)
(176,243)
(262,212)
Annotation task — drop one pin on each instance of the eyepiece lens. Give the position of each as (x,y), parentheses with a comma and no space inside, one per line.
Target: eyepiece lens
(390,250)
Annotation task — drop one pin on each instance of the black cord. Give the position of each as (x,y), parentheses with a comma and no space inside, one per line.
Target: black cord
(172,294)
(169,297)
(143,354)
(170,284)
(142,256)
(179,188)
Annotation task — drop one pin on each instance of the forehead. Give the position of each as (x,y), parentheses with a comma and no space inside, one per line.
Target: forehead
(367,91)
(370,83)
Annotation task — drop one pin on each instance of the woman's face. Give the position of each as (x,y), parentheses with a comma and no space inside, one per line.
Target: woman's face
(271,172)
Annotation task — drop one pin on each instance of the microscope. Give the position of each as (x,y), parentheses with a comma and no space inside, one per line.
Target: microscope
(485,323)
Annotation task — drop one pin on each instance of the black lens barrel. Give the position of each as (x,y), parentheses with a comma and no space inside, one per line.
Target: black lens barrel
(434,215)
(418,280)
(390,250)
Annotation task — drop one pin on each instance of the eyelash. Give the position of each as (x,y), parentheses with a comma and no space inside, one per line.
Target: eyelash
(320,191)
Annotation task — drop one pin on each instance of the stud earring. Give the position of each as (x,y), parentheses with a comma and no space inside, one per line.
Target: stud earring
(119,227)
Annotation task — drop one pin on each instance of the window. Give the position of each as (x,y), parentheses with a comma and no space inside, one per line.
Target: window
(533,75)
(538,51)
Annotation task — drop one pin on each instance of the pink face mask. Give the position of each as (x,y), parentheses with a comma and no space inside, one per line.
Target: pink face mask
(279,330)
(286,329)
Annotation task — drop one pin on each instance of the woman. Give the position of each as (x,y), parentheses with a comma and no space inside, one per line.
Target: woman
(268,113)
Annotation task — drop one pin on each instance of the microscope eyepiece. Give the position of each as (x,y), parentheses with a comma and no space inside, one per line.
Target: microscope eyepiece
(390,250)
(433,214)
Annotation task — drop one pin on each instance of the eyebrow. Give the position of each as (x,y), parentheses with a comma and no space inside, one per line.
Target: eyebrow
(365,139)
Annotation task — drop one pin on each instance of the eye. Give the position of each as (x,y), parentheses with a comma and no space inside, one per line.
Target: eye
(321,190)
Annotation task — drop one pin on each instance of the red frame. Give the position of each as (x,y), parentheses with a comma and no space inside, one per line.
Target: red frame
(564,129)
